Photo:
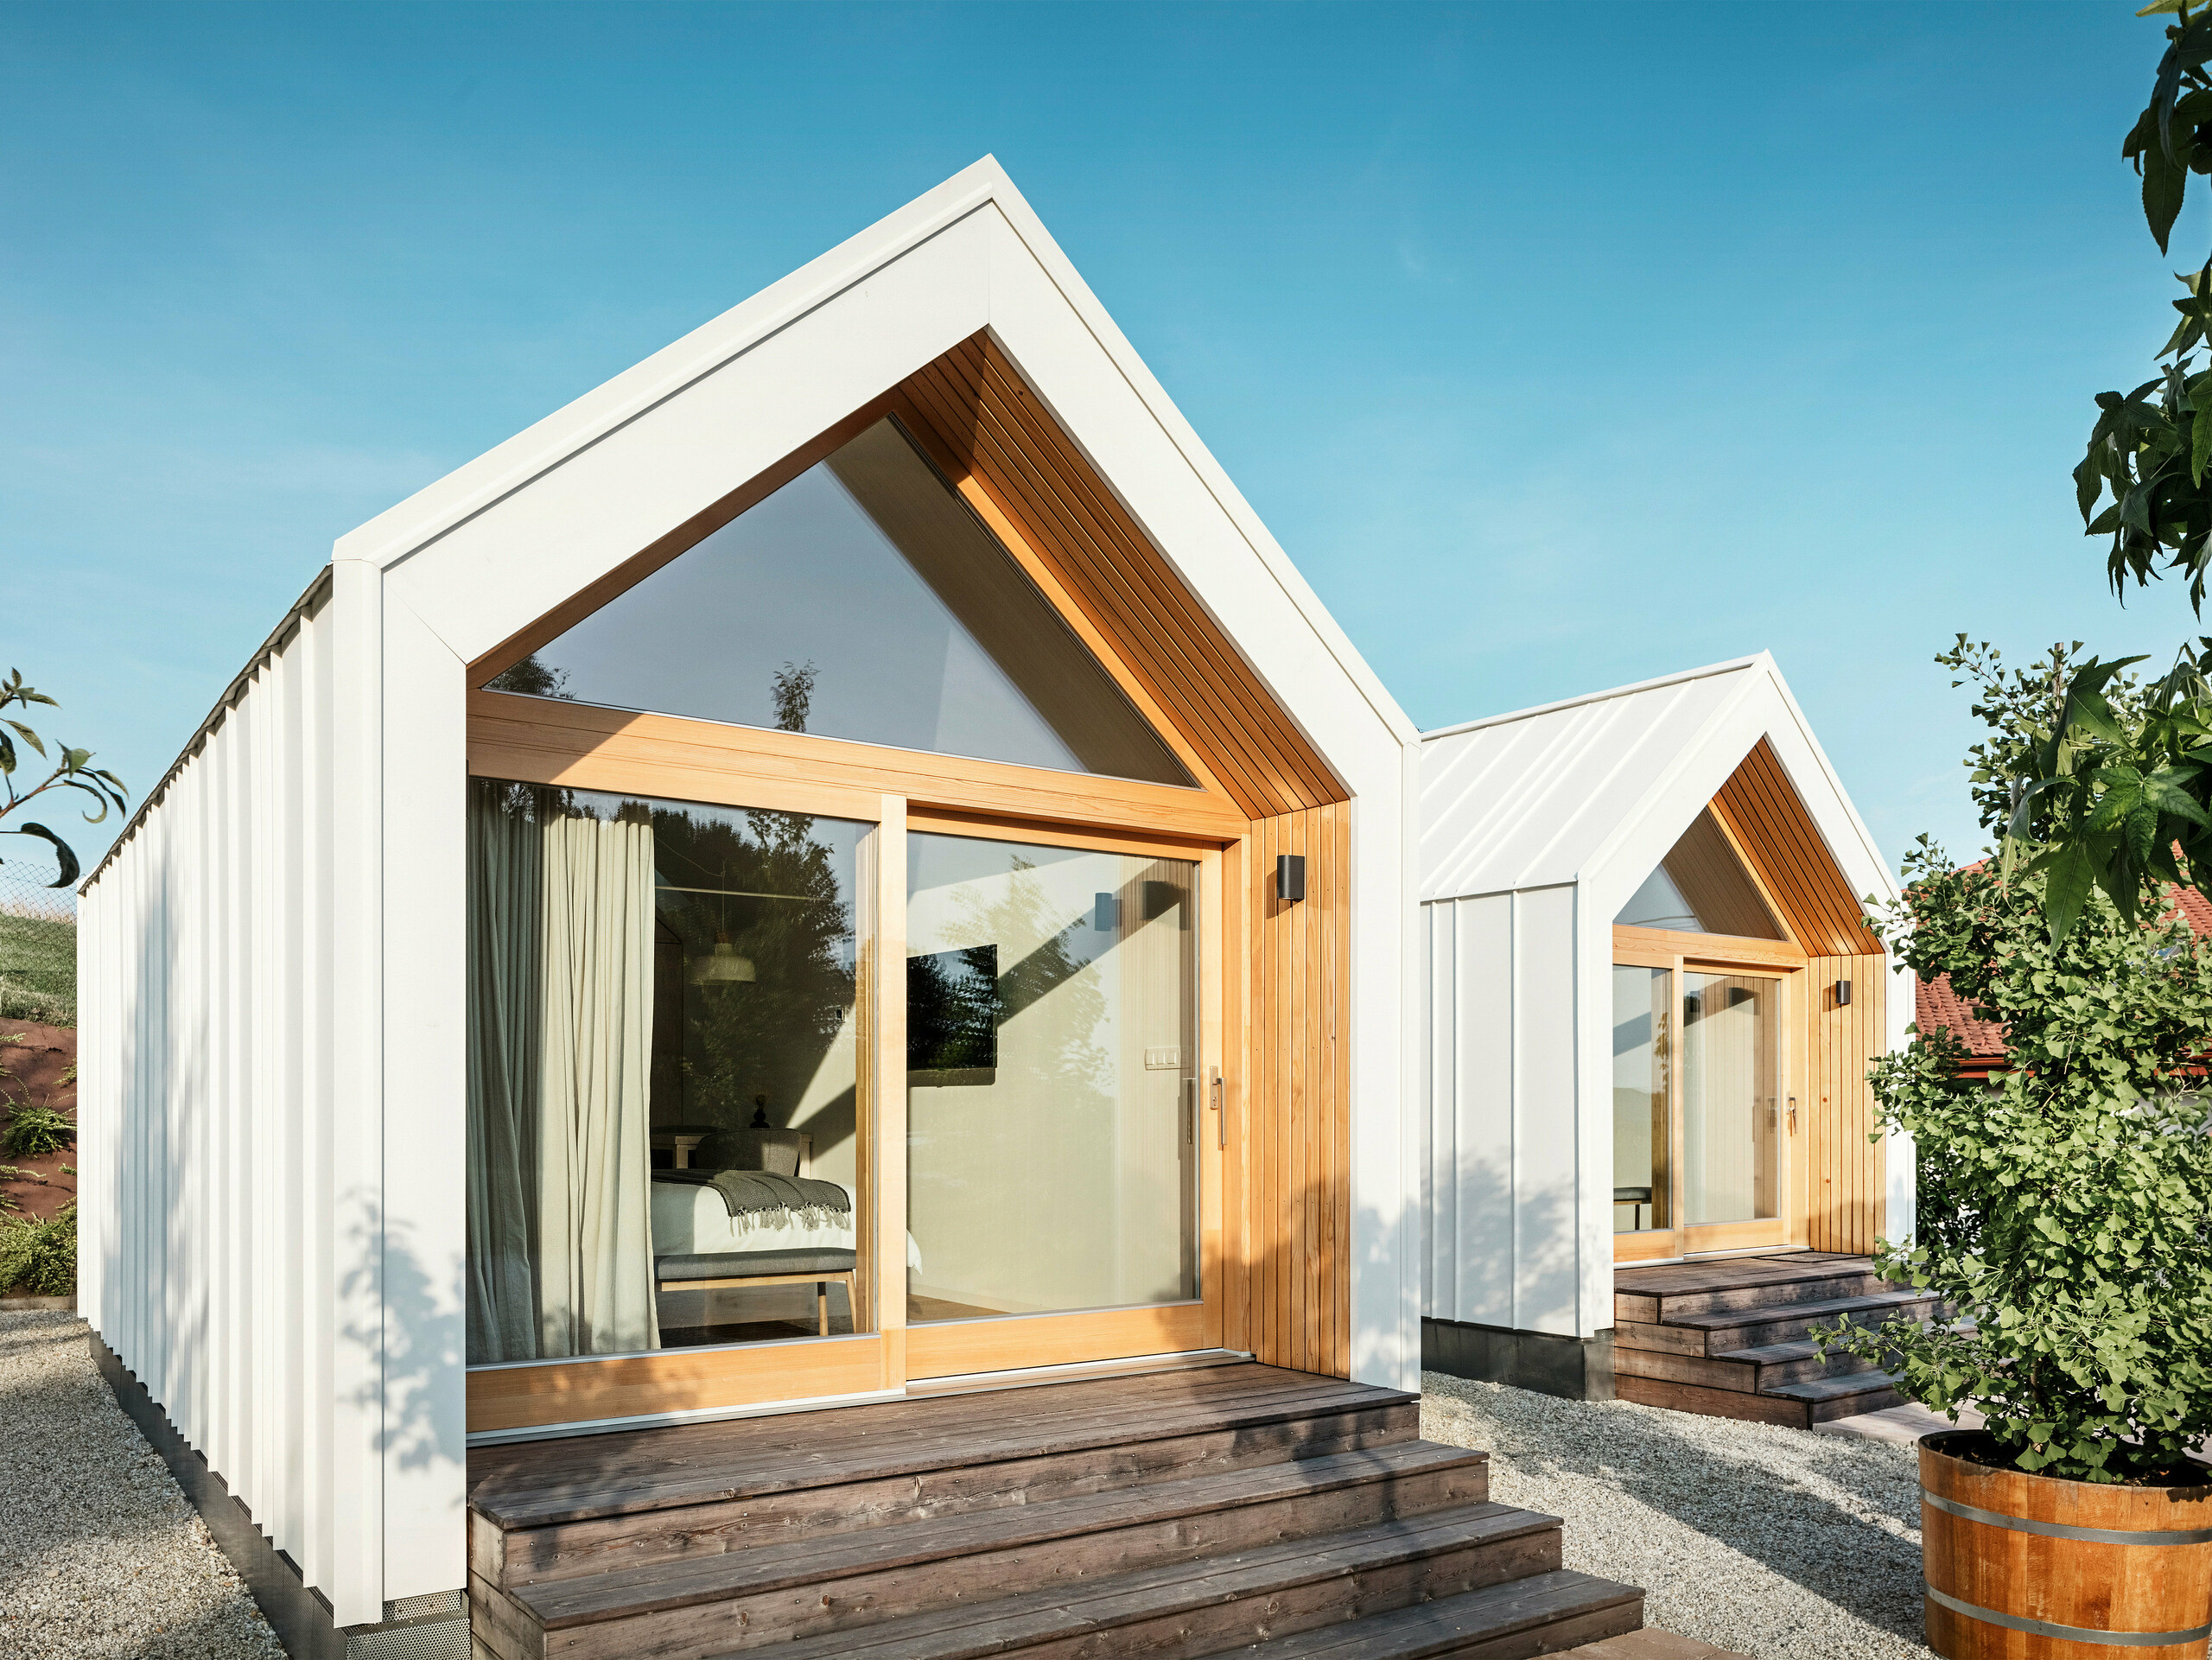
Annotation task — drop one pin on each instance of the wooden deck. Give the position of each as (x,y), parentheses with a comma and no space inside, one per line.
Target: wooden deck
(1731,1338)
(1232,1508)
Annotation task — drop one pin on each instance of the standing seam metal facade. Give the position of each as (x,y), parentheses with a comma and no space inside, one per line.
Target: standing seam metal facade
(224,1254)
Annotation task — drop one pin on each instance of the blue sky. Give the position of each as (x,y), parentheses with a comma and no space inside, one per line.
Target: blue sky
(1560,347)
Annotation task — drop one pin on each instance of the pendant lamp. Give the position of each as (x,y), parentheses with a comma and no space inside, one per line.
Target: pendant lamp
(721,966)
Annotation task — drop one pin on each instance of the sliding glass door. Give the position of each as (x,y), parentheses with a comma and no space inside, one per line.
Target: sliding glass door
(1054,1150)
(686,1070)
(1701,1108)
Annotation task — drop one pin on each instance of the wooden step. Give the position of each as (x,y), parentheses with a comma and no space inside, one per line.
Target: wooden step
(738,1490)
(1220,1604)
(1795,1362)
(1796,1406)
(1748,1370)
(1731,1330)
(1543,1614)
(1825,1398)
(773,1592)
(1812,1285)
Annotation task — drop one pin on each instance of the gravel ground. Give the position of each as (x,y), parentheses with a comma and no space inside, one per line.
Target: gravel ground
(1776,1542)
(102,1557)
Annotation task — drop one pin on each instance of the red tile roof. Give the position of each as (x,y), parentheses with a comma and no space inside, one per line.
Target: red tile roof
(1937,1005)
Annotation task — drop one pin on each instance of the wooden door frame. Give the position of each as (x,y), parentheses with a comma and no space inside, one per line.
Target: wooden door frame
(1784,962)
(1013,1342)
(553,743)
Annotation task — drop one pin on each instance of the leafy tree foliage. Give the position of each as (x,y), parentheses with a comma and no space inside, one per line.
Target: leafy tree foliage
(2065,1214)
(71,772)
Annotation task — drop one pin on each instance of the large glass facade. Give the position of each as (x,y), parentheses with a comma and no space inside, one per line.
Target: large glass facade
(665,1138)
(1052,1065)
(864,599)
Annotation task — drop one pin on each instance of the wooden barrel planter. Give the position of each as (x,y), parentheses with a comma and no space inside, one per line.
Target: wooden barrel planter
(2037,1568)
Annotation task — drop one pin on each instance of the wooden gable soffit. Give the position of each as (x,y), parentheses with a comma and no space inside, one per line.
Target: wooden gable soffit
(1762,813)
(1010,458)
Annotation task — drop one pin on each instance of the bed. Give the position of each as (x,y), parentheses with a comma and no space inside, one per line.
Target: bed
(699,1245)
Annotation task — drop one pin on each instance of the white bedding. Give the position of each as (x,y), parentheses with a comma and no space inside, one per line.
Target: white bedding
(691,1219)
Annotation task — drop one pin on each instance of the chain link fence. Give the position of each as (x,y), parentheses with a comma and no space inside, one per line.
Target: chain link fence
(38,939)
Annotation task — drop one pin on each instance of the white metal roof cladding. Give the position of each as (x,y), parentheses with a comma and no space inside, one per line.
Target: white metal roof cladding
(1590,790)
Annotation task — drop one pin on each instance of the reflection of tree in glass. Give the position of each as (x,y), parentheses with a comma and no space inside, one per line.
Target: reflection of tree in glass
(768,1035)
(1059,1044)
(533,678)
(793,691)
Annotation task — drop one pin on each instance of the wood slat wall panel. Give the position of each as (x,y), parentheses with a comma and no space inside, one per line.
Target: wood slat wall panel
(1844,1182)
(1296,1100)
(981,412)
(1762,810)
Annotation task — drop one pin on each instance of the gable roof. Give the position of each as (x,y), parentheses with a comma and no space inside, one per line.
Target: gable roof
(964,275)
(1594,791)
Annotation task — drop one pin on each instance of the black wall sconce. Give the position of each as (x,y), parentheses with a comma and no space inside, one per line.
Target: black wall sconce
(1290,877)
(1843,993)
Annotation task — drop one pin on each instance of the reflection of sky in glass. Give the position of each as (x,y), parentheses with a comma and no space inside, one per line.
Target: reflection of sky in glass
(805,576)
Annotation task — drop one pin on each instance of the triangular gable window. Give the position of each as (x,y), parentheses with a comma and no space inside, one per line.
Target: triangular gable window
(1701,887)
(863,600)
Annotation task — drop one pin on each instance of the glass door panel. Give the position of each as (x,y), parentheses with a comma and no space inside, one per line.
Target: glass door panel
(1642,1002)
(1731,1098)
(1053,1031)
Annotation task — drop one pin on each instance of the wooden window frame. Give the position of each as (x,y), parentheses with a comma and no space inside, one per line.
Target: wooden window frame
(579,746)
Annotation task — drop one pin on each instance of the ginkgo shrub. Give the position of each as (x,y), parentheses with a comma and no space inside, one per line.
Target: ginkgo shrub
(2065,1207)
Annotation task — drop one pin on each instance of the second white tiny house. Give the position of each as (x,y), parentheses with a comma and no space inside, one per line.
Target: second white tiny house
(1651,999)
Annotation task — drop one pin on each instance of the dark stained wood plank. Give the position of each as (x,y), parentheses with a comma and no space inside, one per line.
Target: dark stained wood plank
(571,1549)
(1712,1402)
(1268,1592)
(643,1478)
(1190,1518)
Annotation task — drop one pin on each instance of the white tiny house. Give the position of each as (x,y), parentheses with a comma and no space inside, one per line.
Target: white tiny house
(846,859)
(1650,999)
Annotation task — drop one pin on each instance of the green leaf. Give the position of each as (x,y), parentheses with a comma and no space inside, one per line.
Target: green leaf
(2072,873)
(66,859)
(2163,790)
(2165,182)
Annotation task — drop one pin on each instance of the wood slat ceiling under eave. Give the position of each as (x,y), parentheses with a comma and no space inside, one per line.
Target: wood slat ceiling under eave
(986,422)
(1767,818)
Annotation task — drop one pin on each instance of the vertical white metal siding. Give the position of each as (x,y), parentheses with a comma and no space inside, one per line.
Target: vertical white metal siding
(211,1258)
(1502,1167)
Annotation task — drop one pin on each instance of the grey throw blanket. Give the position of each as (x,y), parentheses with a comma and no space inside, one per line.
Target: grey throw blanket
(758,1192)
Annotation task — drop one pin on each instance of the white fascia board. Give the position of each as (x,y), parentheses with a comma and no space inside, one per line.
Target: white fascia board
(497,571)
(1849,840)
(1760,708)
(1647,828)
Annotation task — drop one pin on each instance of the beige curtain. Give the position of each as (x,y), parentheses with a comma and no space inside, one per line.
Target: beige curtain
(594,1260)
